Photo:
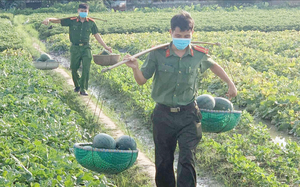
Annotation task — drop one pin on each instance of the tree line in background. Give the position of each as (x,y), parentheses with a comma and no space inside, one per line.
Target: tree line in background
(49,6)
(21,4)
(34,4)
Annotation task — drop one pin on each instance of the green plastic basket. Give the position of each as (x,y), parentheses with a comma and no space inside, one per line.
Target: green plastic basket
(108,161)
(217,121)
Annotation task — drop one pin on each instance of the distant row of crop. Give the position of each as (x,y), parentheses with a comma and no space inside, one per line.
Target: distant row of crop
(139,22)
(8,36)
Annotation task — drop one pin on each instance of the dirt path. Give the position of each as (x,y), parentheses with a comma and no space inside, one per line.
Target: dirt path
(145,164)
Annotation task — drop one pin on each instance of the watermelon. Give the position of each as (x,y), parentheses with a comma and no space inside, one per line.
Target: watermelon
(104,141)
(223,104)
(103,53)
(125,142)
(44,57)
(206,101)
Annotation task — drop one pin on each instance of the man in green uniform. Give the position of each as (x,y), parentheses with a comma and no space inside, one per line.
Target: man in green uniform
(80,29)
(176,117)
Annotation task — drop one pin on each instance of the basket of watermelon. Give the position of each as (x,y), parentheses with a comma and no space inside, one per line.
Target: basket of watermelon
(44,62)
(218,114)
(106,155)
(105,58)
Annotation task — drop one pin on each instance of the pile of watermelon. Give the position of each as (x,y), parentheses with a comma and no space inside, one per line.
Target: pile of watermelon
(209,102)
(105,141)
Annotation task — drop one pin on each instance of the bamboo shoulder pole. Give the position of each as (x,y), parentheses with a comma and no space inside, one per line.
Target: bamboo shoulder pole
(149,50)
(88,17)
(135,56)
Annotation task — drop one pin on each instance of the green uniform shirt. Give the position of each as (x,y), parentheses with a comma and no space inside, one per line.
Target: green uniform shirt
(80,32)
(174,80)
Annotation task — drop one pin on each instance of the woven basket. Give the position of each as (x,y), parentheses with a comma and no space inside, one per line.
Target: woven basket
(46,65)
(217,121)
(108,161)
(106,60)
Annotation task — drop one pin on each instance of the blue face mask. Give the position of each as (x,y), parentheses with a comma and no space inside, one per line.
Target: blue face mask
(83,14)
(181,43)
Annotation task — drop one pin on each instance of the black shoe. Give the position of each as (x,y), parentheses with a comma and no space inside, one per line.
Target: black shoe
(84,93)
(76,89)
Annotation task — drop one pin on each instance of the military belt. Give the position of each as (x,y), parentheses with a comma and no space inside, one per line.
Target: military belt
(176,109)
(81,44)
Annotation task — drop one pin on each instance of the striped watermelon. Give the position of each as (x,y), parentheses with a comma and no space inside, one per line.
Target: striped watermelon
(125,142)
(205,101)
(223,104)
(104,141)
(44,57)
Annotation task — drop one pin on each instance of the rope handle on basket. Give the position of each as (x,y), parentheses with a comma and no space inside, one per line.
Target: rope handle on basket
(128,132)
(230,72)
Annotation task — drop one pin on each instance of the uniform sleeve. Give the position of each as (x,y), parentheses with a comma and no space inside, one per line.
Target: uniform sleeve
(149,66)
(206,62)
(65,22)
(94,29)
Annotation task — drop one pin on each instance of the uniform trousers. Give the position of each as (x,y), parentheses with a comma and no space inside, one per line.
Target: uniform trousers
(169,128)
(80,54)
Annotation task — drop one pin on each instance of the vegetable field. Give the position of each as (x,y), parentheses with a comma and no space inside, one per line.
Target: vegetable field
(37,129)
(260,52)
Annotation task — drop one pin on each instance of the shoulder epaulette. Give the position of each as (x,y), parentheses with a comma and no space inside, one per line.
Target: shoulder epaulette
(90,19)
(168,52)
(201,49)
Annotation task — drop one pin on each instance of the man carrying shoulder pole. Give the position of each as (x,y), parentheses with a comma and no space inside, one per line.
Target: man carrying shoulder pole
(80,29)
(176,117)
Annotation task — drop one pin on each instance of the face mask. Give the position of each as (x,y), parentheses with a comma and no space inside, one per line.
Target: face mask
(181,43)
(83,14)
